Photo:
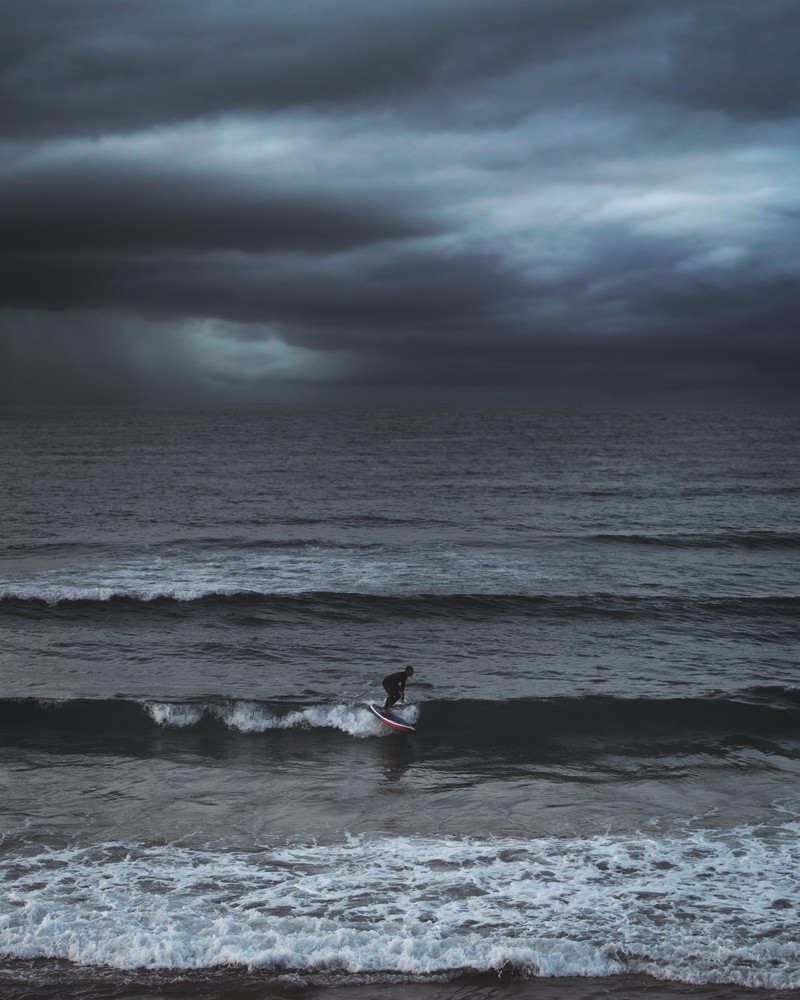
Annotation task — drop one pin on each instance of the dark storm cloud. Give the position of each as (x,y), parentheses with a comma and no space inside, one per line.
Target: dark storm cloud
(86,209)
(92,66)
(295,291)
(739,59)
(583,199)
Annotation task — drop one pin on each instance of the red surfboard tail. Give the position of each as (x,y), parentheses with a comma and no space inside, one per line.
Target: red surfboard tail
(390,719)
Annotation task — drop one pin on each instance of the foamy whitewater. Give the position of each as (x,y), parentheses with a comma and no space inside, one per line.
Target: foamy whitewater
(554,907)
(603,792)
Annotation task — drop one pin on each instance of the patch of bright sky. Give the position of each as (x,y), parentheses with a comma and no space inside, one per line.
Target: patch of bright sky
(256,354)
(216,145)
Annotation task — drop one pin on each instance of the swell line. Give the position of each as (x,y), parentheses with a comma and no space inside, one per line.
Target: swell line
(563,729)
(756,540)
(601,605)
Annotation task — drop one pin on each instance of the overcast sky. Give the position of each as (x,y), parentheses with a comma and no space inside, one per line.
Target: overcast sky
(530,201)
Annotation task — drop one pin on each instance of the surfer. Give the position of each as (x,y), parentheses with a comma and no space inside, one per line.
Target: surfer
(395,687)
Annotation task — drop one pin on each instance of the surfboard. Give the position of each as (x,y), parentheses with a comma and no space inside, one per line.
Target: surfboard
(390,719)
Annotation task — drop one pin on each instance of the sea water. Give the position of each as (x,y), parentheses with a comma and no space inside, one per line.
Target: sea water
(603,792)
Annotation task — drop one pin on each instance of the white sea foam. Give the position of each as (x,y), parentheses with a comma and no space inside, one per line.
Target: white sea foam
(704,907)
(251,717)
(170,714)
(187,575)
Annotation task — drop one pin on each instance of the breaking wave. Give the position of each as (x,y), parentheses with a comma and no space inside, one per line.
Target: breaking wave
(701,906)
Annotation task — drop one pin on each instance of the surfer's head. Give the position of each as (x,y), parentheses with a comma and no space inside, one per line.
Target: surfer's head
(409,671)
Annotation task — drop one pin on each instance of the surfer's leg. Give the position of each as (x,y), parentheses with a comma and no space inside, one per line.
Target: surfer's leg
(392,694)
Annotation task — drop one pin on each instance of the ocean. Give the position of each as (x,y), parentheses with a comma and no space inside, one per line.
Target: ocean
(602,797)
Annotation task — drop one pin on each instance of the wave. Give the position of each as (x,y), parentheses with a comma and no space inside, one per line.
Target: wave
(715,540)
(120,719)
(29,601)
(255,717)
(586,731)
(697,906)
(196,546)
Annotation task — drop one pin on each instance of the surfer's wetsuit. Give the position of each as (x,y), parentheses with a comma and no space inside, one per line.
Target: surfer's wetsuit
(395,686)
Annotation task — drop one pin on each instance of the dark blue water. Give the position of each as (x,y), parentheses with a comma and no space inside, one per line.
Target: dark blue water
(601,610)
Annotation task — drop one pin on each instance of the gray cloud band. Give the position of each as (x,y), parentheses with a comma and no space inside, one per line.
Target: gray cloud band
(579,199)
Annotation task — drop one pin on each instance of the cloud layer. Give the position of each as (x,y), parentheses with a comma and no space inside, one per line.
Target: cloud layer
(542,201)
